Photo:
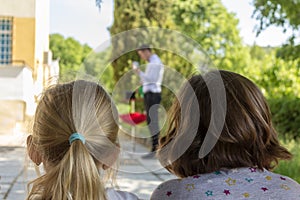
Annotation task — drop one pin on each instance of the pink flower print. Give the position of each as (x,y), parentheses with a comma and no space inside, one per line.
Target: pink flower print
(282,178)
(169,193)
(264,189)
(196,176)
(227,192)
(252,169)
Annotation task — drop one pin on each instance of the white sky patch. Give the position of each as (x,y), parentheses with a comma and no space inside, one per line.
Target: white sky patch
(82,20)
(272,36)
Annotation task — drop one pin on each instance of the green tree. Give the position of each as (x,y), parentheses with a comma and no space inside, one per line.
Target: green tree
(280,76)
(281,13)
(259,53)
(215,29)
(98,66)
(279,81)
(277,12)
(70,53)
(134,14)
(277,78)
(206,21)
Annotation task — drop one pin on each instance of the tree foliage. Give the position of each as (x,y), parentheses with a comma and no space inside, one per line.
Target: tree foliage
(70,53)
(276,77)
(206,21)
(279,81)
(281,13)
(74,56)
(134,14)
(98,66)
(286,116)
(214,28)
(274,70)
(277,12)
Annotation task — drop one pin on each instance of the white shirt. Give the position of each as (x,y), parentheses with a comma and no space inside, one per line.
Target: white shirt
(153,75)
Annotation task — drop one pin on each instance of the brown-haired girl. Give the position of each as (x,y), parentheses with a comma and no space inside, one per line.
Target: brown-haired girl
(228,141)
(75,137)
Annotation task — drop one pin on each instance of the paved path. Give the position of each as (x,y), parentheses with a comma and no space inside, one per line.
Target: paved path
(135,174)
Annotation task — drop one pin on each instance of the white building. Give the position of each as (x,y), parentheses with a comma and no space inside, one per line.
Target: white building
(25,59)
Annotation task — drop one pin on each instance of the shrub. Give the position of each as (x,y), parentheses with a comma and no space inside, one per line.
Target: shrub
(291,168)
(286,117)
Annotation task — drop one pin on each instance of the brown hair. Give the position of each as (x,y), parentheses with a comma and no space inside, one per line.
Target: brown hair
(144,47)
(247,138)
(72,169)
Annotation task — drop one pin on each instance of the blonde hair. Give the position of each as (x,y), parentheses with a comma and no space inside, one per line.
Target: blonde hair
(71,169)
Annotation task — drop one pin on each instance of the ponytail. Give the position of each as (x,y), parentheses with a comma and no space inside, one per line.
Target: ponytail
(75,177)
(71,165)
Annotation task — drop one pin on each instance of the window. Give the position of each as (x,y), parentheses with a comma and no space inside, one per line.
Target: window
(5,40)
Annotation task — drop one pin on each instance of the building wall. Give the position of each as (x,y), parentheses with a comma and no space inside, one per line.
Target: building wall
(24,40)
(30,39)
(16,86)
(42,42)
(42,16)
(23,13)
(30,29)
(18,8)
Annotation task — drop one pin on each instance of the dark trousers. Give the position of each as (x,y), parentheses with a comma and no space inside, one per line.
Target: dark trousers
(151,101)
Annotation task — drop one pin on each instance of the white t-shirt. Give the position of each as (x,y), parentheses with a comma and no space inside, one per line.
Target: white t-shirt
(119,195)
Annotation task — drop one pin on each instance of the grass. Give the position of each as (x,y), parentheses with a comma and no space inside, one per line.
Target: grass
(291,168)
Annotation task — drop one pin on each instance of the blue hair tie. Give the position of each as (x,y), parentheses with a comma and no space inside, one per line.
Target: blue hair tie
(76,136)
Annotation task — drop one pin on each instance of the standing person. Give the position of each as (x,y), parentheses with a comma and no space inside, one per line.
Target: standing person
(247,148)
(75,137)
(151,80)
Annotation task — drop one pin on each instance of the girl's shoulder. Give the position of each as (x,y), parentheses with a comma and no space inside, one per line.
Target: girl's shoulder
(173,189)
(235,183)
(121,195)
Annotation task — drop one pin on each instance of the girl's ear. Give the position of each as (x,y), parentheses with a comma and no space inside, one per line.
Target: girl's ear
(32,152)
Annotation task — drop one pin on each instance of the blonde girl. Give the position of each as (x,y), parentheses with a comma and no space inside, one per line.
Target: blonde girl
(75,137)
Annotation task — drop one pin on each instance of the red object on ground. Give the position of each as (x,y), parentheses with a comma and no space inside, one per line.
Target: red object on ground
(133,118)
